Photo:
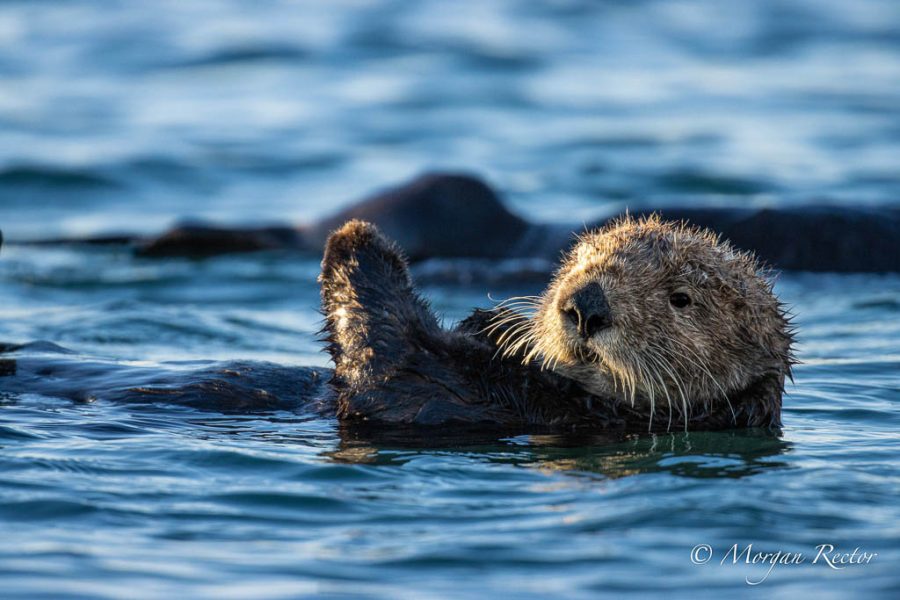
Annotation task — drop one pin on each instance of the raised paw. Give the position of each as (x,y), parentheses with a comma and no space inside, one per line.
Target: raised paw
(371,310)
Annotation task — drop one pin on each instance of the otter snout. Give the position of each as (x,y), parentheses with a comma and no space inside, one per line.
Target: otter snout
(588,310)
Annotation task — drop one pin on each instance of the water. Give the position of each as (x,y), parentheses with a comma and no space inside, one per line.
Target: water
(128,116)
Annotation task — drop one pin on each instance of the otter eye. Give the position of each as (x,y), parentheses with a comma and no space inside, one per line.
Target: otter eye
(679,299)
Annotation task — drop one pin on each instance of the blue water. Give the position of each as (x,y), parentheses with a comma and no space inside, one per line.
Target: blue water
(128,116)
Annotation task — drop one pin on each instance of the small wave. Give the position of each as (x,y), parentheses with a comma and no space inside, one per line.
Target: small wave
(287,501)
(689,181)
(31,510)
(56,177)
(886,304)
(16,433)
(247,54)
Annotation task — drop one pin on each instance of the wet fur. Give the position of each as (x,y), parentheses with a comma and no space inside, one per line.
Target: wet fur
(394,363)
(666,362)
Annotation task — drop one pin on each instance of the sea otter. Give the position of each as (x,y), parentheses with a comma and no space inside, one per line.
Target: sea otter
(458,216)
(647,324)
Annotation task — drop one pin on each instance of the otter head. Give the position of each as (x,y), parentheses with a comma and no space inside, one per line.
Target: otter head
(662,315)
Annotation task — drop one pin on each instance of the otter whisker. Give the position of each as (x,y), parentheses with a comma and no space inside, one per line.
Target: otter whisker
(661,386)
(676,380)
(512,329)
(519,301)
(507,303)
(514,325)
(703,366)
(650,392)
(522,310)
(496,323)
(511,339)
(513,349)
(526,340)
(656,378)
(512,298)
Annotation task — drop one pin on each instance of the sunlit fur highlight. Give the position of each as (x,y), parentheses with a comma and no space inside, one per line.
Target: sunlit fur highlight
(668,362)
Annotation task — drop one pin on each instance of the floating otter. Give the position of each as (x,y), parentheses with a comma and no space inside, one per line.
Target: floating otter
(440,215)
(646,325)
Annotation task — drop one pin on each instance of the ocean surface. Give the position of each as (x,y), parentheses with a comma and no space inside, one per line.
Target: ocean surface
(131,116)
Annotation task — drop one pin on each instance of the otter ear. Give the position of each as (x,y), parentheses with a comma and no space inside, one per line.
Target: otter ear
(371,311)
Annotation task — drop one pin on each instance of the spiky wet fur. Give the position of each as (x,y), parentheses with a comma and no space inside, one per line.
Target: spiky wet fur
(394,363)
(668,363)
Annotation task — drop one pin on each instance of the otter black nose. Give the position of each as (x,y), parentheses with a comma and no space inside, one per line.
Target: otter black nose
(588,310)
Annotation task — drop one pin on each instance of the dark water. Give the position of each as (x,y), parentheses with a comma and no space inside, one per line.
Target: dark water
(128,116)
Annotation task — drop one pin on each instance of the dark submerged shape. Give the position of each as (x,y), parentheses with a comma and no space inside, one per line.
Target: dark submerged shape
(449,215)
(394,364)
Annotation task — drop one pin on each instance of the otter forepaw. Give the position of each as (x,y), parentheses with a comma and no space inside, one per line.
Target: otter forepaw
(369,304)
(359,245)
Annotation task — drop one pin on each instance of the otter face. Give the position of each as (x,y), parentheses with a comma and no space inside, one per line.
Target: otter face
(660,313)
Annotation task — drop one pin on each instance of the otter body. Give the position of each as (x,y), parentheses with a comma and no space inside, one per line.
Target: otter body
(449,216)
(646,326)
(395,364)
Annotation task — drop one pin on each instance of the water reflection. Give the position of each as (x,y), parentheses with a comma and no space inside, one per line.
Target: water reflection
(725,454)
(264,392)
